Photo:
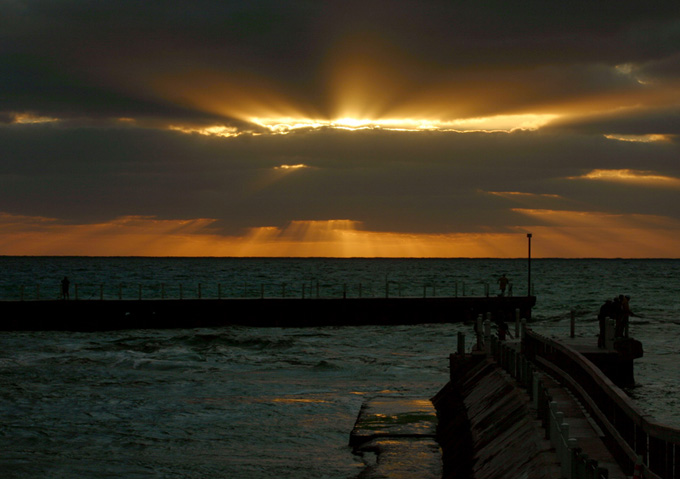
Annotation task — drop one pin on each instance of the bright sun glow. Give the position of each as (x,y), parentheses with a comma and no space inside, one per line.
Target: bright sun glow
(291,167)
(283,125)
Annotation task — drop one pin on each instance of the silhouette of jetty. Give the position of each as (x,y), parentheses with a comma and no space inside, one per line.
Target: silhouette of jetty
(102,315)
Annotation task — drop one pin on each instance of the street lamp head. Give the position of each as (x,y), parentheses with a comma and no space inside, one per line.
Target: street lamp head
(528,235)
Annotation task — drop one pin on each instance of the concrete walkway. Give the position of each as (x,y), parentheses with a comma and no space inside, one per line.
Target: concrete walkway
(395,436)
(583,428)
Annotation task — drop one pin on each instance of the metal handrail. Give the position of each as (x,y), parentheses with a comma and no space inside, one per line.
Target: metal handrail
(636,433)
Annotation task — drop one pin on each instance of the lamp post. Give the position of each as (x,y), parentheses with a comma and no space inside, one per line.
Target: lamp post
(529,266)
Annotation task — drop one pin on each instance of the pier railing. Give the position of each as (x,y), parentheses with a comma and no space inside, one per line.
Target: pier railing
(302,289)
(574,463)
(638,436)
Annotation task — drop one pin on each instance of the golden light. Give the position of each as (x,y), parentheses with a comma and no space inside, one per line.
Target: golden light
(291,167)
(518,195)
(30,118)
(286,125)
(148,236)
(574,234)
(564,234)
(216,130)
(647,178)
(651,138)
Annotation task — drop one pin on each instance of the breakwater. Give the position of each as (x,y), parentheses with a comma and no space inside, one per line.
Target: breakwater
(536,407)
(101,315)
(505,401)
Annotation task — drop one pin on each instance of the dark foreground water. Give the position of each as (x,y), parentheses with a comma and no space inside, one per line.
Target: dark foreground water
(244,402)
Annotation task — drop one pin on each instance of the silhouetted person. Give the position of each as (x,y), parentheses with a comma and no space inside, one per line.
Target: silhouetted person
(503,330)
(626,313)
(502,284)
(65,284)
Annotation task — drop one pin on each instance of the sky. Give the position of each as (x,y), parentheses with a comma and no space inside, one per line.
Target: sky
(351,128)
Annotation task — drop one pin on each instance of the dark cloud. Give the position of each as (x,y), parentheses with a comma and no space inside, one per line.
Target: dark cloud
(391,181)
(92,58)
(108,80)
(638,121)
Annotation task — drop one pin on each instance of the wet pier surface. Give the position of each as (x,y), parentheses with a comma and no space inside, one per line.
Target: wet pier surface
(396,438)
(99,315)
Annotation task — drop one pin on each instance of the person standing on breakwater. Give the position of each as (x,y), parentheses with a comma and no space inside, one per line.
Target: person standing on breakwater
(65,284)
(502,284)
(626,313)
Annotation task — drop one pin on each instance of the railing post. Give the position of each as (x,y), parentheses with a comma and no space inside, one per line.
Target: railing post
(181,291)
(75,291)
(534,390)
(461,343)
(572,446)
(575,453)
(609,328)
(219,290)
(478,330)
(140,291)
(200,293)
(591,468)
(582,466)
(101,292)
(120,292)
(563,448)
(552,421)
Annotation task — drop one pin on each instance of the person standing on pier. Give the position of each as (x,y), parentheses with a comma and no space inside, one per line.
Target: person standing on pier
(65,284)
(502,284)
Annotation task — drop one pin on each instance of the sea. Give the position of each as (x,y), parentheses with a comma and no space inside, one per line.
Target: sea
(246,402)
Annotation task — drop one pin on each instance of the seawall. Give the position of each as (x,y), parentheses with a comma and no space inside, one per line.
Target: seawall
(487,428)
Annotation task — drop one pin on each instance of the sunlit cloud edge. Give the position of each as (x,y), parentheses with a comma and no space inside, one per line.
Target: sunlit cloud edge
(630,176)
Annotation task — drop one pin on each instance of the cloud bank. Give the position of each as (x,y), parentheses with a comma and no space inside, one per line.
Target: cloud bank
(453,129)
